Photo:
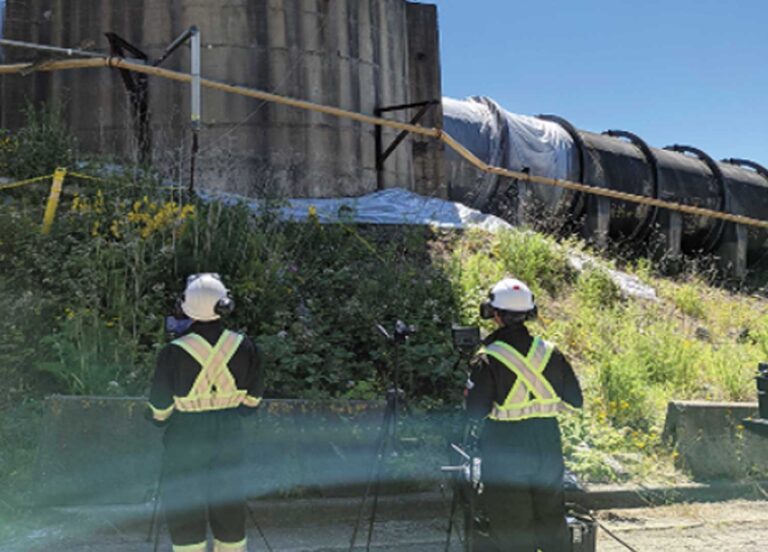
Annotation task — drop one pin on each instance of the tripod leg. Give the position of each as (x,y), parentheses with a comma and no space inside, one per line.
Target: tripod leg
(156,546)
(153,519)
(374,473)
(257,526)
(389,435)
(454,504)
(469,527)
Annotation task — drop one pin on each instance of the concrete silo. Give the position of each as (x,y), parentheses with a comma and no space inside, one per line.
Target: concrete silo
(353,54)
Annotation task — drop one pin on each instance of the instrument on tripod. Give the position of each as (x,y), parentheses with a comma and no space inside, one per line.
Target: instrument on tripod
(386,441)
(466,486)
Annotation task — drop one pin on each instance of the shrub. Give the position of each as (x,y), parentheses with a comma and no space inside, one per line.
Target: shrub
(39,147)
(535,259)
(596,289)
(687,298)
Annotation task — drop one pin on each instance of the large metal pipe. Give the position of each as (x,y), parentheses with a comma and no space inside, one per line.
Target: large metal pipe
(747,189)
(569,204)
(643,216)
(714,193)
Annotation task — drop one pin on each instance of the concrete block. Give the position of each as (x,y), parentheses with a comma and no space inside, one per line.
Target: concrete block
(732,252)
(598,222)
(711,440)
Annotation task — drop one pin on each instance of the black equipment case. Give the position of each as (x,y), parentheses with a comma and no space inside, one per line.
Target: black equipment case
(583,533)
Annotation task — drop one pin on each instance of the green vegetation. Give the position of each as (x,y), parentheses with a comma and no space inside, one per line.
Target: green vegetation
(84,306)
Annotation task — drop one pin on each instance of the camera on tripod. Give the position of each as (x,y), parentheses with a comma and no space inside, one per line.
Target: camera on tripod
(401,332)
(465,339)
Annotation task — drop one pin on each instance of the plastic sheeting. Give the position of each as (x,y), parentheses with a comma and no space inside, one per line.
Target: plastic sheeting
(393,206)
(504,139)
(398,206)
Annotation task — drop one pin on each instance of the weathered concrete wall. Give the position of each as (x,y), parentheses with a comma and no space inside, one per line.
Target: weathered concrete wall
(712,442)
(425,85)
(100,450)
(348,53)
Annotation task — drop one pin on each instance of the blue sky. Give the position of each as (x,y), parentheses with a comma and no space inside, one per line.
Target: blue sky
(691,72)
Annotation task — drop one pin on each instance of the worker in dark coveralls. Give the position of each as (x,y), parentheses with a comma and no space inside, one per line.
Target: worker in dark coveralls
(205,380)
(518,383)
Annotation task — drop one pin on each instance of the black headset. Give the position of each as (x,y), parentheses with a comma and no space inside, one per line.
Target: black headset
(223,306)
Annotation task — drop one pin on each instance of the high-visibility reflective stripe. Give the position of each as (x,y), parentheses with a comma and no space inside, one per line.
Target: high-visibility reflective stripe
(214,387)
(215,371)
(251,401)
(219,370)
(215,401)
(199,547)
(219,546)
(161,414)
(521,368)
(518,394)
(519,404)
(537,359)
(533,410)
(197,347)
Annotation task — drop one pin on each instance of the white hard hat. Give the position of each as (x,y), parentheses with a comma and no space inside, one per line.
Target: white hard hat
(203,297)
(512,295)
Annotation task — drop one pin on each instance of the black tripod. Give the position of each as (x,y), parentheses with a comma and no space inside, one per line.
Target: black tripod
(465,481)
(386,441)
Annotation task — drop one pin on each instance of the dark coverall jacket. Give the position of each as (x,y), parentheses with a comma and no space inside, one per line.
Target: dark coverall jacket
(522,459)
(201,478)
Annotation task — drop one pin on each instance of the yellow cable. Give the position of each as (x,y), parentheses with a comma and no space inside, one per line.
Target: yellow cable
(120,63)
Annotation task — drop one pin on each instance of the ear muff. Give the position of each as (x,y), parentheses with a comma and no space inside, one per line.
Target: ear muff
(225,306)
(532,314)
(486,311)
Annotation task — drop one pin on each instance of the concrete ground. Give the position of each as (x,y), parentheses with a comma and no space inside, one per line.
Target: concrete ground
(737,525)
(403,524)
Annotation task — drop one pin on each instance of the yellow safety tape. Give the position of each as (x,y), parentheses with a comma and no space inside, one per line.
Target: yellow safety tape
(53,199)
(20,183)
(87,177)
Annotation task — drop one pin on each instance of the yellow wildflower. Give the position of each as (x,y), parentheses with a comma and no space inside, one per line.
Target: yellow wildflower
(114,228)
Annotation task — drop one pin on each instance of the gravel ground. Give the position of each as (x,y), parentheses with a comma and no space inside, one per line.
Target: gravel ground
(735,525)
(726,526)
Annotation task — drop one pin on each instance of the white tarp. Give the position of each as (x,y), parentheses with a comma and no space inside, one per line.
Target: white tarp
(509,140)
(393,206)
(398,206)
(504,139)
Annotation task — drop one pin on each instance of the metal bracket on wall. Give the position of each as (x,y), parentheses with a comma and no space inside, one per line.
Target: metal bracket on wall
(381,154)
(138,89)
(137,86)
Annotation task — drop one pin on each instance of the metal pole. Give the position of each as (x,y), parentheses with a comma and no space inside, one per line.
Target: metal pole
(56,49)
(181,39)
(195,102)
(378,136)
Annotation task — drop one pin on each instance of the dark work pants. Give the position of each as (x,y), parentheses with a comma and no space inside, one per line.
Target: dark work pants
(201,477)
(523,496)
